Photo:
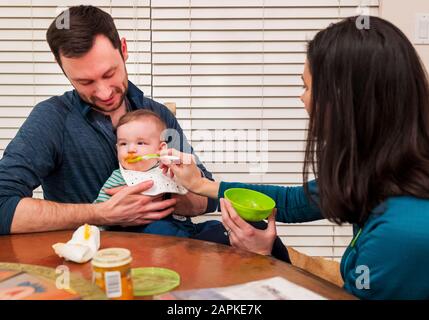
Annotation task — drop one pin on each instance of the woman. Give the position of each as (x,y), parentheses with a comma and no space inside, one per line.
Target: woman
(367,95)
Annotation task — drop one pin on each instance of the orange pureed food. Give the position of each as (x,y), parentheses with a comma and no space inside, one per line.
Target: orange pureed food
(130,156)
(112,273)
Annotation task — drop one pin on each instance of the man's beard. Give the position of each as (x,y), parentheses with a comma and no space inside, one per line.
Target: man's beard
(93,100)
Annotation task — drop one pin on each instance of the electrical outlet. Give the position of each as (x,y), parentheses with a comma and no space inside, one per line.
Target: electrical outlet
(422,29)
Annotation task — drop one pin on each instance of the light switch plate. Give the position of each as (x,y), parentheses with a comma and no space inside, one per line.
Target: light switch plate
(422,28)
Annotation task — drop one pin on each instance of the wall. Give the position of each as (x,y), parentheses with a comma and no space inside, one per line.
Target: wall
(402,14)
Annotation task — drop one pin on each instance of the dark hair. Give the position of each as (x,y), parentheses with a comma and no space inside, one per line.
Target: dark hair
(141,114)
(368,133)
(77,38)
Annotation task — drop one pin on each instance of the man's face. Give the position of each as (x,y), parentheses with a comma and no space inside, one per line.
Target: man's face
(100,76)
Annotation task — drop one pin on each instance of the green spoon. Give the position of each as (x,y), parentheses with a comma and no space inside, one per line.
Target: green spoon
(153,156)
(145,157)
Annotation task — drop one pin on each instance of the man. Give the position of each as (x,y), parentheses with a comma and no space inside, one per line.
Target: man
(67,144)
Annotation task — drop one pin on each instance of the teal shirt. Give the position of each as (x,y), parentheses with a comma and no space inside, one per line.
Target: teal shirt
(390,256)
(115,180)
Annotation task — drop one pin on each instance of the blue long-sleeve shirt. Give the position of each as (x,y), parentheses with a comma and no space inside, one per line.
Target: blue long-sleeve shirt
(70,150)
(390,255)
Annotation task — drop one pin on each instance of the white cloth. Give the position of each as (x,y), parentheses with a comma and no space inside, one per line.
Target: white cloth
(82,246)
(161,183)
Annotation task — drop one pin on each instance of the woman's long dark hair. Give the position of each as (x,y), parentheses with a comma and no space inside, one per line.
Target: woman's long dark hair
(369,124)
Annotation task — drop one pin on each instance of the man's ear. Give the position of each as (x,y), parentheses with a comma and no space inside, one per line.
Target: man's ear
(124,49)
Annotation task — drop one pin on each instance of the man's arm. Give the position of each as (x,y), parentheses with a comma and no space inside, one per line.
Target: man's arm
(34,215)
(190,204)
(30,156)
(127,207)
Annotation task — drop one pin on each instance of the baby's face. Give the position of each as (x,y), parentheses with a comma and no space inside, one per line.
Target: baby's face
(138,138)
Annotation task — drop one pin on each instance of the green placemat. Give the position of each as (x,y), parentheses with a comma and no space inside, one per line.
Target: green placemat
(153,281)
(85,289)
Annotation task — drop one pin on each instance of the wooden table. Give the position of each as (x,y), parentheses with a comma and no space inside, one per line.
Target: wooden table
(200,264)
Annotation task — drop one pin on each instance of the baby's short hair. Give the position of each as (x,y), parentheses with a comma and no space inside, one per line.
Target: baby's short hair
(141,114)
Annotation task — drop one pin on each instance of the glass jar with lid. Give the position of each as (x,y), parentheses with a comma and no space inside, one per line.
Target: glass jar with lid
(112,272)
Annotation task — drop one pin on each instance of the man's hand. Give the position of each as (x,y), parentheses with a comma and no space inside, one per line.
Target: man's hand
(128,207)
(190,204)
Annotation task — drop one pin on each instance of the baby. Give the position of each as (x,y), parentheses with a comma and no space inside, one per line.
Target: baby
(140,133)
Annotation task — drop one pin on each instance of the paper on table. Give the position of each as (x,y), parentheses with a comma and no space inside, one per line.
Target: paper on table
(83,245)
(276,288)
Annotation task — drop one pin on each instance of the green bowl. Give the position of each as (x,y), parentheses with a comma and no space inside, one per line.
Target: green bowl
(250,205)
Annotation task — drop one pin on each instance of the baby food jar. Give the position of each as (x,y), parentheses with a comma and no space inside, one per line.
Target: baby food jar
(112,273)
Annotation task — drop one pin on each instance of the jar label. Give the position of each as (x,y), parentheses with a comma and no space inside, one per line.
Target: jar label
(112,280)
